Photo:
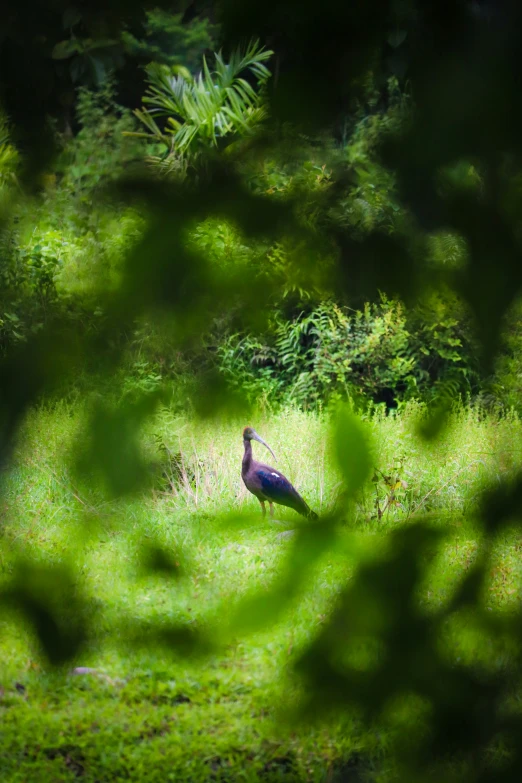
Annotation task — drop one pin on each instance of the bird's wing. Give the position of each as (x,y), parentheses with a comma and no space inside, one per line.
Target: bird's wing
(277,488)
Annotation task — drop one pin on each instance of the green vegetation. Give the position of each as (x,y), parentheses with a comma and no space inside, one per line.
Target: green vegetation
(201,112)
(313,348)
(154,715)
(306,219)
(382,352)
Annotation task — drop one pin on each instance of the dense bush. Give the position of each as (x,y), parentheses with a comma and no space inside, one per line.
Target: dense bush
(62,247)
(62,254)
(383,352)
(503,389)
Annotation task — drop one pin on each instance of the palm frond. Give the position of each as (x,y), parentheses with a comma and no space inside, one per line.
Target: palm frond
(202,110)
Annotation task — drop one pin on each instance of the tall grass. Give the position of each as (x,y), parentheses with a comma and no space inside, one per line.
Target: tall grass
(158,715)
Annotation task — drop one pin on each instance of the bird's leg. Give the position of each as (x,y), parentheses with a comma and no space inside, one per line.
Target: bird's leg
(263,509)
(276,521)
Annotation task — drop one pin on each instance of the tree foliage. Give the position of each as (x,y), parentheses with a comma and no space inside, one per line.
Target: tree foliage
(167,39)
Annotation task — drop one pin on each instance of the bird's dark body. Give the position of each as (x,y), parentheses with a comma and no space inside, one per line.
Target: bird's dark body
(268,484)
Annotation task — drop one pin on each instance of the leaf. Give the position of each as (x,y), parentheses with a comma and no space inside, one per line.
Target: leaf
(77,68)
(65,49)
(71,17)
(110,446)
(211,106)
(50,602)
(351,450)
(98,69)
(433,426)
(397,37)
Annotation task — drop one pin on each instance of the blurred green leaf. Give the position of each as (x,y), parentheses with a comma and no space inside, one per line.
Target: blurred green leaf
(49,600)
(65,49)
(351,448)
(432,426)
(109,449)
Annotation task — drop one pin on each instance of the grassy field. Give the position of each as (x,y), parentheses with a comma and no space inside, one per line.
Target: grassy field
(175,713)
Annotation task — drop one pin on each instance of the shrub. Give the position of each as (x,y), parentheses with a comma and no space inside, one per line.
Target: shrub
(383,352)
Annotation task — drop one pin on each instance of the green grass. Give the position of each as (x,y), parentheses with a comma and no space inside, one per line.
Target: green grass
(155,713)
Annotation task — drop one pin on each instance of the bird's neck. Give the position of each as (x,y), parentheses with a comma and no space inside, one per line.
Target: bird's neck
(247,456)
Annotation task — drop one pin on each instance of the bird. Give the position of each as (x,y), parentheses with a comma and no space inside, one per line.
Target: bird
(267,483)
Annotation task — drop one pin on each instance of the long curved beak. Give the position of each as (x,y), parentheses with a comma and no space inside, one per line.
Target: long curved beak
(260,440)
